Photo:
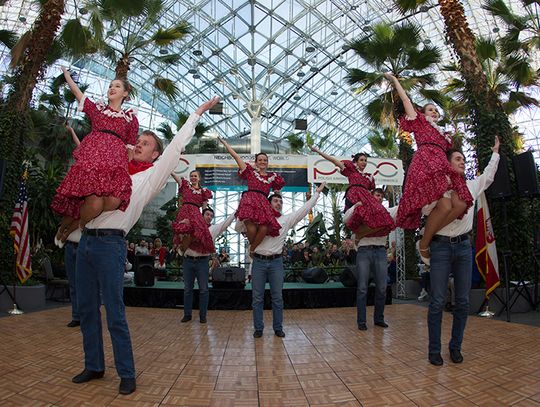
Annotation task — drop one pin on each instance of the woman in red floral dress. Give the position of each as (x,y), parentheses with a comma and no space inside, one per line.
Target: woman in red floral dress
(432,187)
(370,218)
(98,180)
(254,209)
(189,227)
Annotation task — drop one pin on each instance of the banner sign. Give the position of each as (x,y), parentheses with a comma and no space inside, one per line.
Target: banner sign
(220,171)
(386,171)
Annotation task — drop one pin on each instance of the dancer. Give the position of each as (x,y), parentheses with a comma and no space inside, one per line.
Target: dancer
(99,180)
(432,187)
(451,254)
(370,218)
(254,209)
(195,265)
(268,263)
(371,257)
(194,197)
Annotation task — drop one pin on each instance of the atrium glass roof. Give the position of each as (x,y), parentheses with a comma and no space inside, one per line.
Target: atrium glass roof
(287,53)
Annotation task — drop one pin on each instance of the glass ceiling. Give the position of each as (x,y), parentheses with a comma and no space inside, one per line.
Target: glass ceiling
(287,53)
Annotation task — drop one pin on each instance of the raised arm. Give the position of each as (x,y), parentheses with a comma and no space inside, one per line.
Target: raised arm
(241,164)
(407,104)
(177,178)
(72,85)
(333,160)
(73,135)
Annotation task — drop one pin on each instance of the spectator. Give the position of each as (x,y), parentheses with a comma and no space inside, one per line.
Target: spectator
(316,257)
(160,255)
(224,256)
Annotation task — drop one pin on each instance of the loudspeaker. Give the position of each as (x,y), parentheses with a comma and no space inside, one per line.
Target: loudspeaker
(300,124)
(229,277)
(526,174)
(2,175)
(217,108)
(501,188)
(144,270)
(348,278)
(314,275)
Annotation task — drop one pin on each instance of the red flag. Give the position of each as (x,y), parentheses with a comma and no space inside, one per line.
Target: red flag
(486,251)
(19,231)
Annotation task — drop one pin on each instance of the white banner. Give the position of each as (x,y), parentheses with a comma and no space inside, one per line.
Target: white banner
(386,171)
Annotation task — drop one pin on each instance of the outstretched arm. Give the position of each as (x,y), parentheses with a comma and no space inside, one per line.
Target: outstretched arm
(72,85)
(241,164)
(407,104)
(177,178)
(73,135)
(333,160)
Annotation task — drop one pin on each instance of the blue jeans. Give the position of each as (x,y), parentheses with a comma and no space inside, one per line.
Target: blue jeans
(271,271)
(70,259)
(196,268)
(446,259)
(100,266)
(371,258)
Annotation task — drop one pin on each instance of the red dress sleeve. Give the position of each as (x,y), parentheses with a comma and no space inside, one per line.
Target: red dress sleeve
(207,194)
(349,168)
(89,108)
(371,182)
(411,125)
(244,174)
(278,182)
(133,131)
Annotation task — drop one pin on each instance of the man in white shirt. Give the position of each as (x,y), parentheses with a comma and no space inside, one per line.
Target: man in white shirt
(268,264)
(101,256)
(195,265)
(451,254)
(371,256)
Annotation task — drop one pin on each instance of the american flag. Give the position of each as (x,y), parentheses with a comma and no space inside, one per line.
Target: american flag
(19,231)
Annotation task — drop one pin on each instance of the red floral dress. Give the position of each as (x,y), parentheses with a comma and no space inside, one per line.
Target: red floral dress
(254,205)
(101,160)
(193,199)
(430,175)
(371,212)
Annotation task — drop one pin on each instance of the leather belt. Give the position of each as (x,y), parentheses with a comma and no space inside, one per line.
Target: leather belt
(451,239)
(432,144)
(115,134)
(191,203)
(187,256)
(371,246)
(103,232)
(271,257)
(256,190)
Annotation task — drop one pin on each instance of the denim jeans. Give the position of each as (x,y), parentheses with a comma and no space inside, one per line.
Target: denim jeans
(371,258)
(196,268)
(70,259)
(271,271)
(446,259)
(100,266)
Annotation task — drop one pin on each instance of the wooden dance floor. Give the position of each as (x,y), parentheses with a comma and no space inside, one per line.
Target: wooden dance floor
(323,361)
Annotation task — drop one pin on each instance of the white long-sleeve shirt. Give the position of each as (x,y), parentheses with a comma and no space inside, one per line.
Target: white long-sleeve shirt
(215,230)
(274,245)
(147,184)
(371,241)
(476,187)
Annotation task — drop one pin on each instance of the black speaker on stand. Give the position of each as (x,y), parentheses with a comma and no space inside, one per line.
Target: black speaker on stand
(348,278)
(229,277)
(501,187)
(314,275)
(144,270)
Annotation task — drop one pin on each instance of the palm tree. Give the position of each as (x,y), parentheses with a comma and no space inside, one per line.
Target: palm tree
(383,142)
(197,145)
(395,48)
(131,25)
(14,121)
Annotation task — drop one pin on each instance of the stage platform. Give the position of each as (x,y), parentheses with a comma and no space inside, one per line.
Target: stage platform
(170,294)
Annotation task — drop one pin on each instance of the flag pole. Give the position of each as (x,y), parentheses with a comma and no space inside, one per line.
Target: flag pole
(15,310)
(486,313)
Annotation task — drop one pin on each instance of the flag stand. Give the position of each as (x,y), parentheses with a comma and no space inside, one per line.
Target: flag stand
(15,310)
(486,313)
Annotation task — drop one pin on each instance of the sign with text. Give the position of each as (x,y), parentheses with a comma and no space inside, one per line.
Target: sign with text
(386,171)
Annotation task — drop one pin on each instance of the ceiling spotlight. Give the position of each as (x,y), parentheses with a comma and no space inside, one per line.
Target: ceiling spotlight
(197,52)
(83,11)
(163,51)
(310,48)
(495,29)
(22,19)
(427,41)
(342,63)
(196,76)
(423,9)
(192,71)
(297,97)
(334,92)
(301,74)
(388,10)
(314,69)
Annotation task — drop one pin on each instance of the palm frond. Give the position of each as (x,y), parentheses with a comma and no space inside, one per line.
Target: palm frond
(409,5)
(169,59)
(153,9)
(419,60)
(8,38)
(518,100)
(166,131)
(129,8)
(383,142)
(75,37)
(296,142)
(363,78)
(498,8)
(486,48)
(167,36)
(520,71)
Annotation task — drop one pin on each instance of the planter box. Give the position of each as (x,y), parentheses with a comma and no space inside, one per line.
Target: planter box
(29,298)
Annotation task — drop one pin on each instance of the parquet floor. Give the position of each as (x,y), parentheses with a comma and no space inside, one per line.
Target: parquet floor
(323,361)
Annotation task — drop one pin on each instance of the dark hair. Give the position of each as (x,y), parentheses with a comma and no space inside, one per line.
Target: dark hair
(197,171)
(274,196)
(357,156)
(206,210)
(450,152)
(159,143)
(378,191)
(258,154)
